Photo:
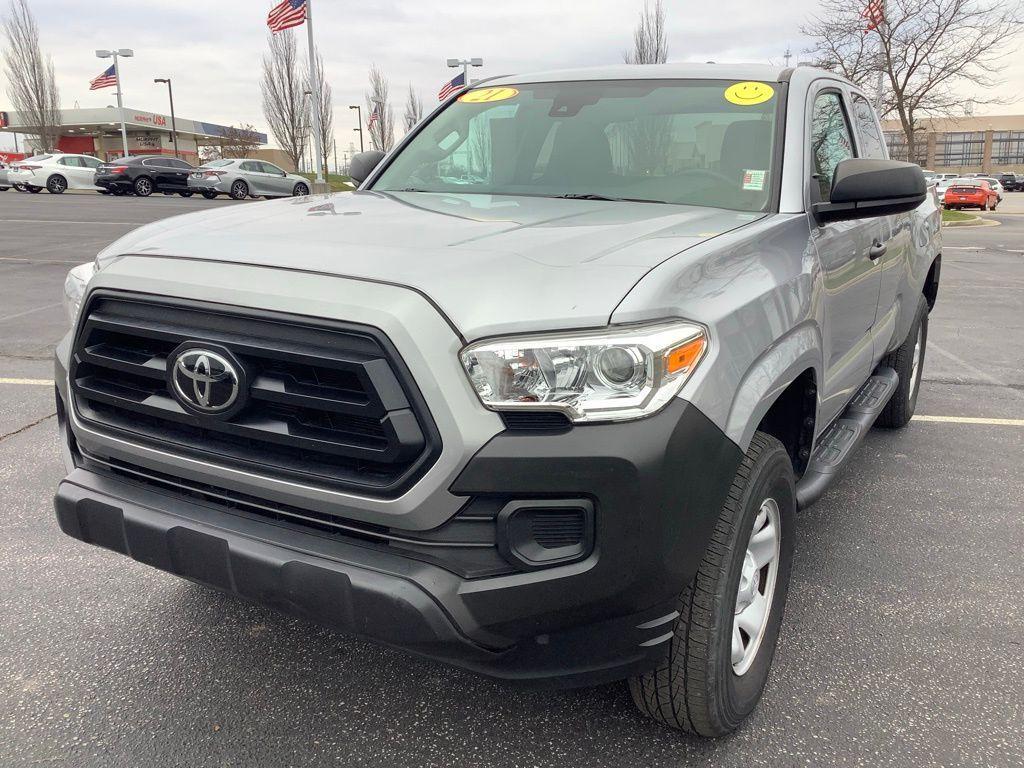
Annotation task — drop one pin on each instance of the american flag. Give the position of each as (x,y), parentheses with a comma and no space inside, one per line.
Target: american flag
(374,116)
(105,79)
(287,14)
(875,14)
(451,86)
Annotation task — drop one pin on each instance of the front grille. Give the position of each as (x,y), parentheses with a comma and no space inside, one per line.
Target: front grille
(329,403)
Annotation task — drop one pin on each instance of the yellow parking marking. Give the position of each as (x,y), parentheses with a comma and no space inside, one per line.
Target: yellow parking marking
(29,382)
(972,420)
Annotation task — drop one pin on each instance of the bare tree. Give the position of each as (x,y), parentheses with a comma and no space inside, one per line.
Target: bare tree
(413,109)
(326,111)
(382,129)
(650,45)
(239,141)
(935,56)
(284,101)
(32,86)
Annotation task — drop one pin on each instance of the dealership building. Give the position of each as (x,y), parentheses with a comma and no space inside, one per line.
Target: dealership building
(990,144)
(97,132)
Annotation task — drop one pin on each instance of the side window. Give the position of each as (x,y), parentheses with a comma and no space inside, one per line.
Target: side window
(181,165)
(871,142)
(271,168)
(153,162)
(89,162)
(830,139)
(249,167)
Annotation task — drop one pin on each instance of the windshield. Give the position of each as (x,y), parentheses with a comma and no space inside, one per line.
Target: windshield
(693,142)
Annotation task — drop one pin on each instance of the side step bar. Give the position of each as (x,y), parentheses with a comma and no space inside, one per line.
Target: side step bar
(843,436)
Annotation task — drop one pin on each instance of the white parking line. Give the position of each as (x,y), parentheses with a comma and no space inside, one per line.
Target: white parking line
(28,312)
(972,420)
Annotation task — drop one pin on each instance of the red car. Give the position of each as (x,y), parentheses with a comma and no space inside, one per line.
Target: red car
(970,193)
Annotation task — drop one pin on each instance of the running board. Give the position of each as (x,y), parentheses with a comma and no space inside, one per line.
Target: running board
(840,440)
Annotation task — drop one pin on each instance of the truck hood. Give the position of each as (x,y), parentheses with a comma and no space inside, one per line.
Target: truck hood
(492,263)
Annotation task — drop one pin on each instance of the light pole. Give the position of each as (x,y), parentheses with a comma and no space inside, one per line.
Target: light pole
(114,53)
(309,97)
(465,64)
(170,95)
(359,117)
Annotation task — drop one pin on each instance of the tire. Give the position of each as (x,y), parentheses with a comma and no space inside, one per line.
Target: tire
(34,190)
(185,194)
(701,687)
(143,186)
(902,360)
(56,184)
(117,192)
(239,190)
(301,190)
(209,195)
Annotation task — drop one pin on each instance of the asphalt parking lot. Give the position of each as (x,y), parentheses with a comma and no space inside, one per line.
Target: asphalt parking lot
(903,642)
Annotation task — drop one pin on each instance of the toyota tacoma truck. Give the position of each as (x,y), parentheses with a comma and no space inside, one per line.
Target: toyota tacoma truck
(541,399)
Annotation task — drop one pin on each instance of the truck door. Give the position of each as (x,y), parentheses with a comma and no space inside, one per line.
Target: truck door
(850,276)
(892,235)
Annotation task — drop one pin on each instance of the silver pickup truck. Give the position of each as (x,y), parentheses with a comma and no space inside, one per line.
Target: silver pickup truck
(542,398)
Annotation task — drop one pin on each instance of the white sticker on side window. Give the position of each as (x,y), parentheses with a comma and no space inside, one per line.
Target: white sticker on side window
(754,180)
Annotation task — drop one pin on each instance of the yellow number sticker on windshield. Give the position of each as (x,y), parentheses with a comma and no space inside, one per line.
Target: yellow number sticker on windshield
(487,95)
(749,93)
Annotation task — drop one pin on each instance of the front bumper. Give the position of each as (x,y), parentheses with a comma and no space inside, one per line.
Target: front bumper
(656,486)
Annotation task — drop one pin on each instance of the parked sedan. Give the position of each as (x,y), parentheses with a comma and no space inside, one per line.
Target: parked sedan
(970,193)
(4,186)
(54,172)
(994,183)
(1011,182)
(145,175)
(244,178)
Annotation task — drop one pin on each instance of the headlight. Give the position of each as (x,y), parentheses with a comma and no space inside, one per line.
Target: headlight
(74,289)
(607,375)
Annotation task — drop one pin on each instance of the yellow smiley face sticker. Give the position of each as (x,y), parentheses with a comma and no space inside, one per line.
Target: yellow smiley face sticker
(749,93)
(488,95)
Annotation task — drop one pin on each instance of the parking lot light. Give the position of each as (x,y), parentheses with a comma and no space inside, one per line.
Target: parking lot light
(170,95)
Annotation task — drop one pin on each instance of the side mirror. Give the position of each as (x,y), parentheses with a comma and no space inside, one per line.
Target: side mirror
(862,188)
(362,165)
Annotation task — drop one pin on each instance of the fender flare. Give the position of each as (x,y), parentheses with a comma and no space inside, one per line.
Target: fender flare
(768,376)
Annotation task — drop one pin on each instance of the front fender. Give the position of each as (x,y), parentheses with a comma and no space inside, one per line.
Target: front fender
(768,376)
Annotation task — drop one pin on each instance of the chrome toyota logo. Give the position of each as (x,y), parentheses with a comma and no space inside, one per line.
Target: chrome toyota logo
(205,381)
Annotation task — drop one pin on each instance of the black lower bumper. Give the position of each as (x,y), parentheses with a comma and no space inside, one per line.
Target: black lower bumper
(657,487)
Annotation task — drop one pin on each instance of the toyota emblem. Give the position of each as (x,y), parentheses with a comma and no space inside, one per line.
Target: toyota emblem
(205,381)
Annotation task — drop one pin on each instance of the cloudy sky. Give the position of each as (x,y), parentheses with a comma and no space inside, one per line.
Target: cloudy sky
(212,49)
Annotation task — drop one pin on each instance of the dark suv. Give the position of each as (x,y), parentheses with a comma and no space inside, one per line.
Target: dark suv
(1010,182)
(145,175)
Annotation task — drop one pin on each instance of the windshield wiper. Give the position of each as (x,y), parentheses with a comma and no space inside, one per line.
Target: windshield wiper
(571,196)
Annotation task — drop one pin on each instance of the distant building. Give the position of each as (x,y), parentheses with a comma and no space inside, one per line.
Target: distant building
(97,132)
(989,143)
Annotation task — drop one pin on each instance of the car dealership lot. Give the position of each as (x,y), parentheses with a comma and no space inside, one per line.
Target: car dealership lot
(902,644)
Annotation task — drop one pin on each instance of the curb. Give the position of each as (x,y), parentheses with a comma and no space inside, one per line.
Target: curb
(975,221)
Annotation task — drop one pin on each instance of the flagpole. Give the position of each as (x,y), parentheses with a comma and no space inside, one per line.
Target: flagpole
(881,57)
(120,106)
(314,86)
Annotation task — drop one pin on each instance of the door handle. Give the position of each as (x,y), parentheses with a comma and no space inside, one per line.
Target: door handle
(877,250)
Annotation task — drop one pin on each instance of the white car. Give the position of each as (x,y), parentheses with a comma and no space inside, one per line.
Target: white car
(56,173)
(943,181)
(994,183)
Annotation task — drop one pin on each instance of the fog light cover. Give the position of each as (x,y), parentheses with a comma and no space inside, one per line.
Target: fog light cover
(542,533)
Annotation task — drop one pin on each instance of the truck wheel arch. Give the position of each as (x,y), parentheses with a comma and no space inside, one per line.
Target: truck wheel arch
(796,356)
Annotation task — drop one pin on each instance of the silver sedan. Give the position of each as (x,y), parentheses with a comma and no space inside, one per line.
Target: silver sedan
(245,178)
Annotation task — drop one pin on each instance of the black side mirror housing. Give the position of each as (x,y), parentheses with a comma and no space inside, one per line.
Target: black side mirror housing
(362,165)
(862,188)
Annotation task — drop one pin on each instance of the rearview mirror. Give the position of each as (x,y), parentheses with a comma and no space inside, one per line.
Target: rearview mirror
(862,188)
(362,165)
